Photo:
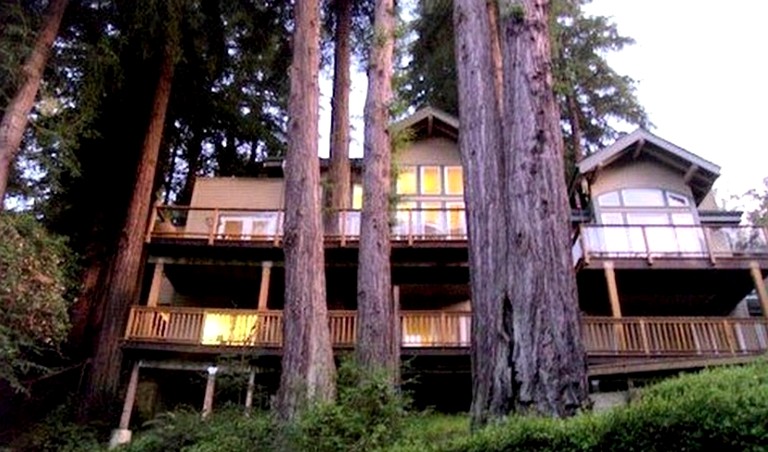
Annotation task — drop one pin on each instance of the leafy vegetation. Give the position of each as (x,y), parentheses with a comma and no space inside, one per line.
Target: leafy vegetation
(34,277)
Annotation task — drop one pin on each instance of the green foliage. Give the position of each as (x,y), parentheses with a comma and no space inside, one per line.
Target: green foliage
(758,216)
(227,429)
(724,409)
(368,415)
(56,433)
(36,270)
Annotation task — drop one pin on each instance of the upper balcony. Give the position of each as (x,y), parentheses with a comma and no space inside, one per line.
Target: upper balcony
(670,245)
(264,228)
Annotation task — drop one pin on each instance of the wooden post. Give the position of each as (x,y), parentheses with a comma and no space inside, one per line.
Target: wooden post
(250,391)
(210,387)
(157,281)
(762,293)
(613,292)
(130,398)
(613,297)
(152,221)
(214,227)
(266,271)
(708,244)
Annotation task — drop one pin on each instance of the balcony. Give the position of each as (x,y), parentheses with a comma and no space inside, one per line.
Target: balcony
(649,337)
(214,226)
(654,242)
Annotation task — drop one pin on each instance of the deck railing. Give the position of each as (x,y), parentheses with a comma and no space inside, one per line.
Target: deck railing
(631,336)
(220,225)
(651,241)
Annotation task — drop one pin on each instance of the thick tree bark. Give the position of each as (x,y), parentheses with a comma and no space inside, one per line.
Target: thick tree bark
(375,310)
(16,113)
(550,364)
(122,291)
(480,143)
(337,196)
(308,371)
(526,345)
(498,67)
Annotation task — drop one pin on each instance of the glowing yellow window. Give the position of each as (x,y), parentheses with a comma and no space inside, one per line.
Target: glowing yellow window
(454,180)
(357,196)
(222,329)
(430,180)
(406,180)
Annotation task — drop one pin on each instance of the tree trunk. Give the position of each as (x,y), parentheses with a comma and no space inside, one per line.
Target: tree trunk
(495,43)
(102,385)
(550,364)
(307,368)
(480,144)
(194,149)
(16,113)
(575,123)
(337,194)
(375,311)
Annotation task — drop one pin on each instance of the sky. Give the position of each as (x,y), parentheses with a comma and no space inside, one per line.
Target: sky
(701,68)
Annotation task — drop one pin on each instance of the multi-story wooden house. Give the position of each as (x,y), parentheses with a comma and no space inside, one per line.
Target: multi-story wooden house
(661,271)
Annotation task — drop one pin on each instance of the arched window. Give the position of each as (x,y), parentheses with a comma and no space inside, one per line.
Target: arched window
(655,220)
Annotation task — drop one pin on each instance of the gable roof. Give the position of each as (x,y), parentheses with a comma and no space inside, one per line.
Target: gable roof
(430,121)
(697,172)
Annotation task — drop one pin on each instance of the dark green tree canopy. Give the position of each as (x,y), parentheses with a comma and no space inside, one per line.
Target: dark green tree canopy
(602,97)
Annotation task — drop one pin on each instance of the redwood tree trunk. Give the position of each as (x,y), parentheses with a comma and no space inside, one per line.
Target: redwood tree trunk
(550,364)
(308,370)
(16,113)
(104,379)
(375,310)
(338,194)
(480,144)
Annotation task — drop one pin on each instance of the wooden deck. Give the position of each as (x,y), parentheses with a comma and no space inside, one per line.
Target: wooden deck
(604,337)
(669,246)
(264,228)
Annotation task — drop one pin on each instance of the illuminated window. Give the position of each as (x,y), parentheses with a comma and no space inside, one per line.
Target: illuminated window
(454,181)
(406,181)
(430,180)
(223,329)
(456,223)
(357,196)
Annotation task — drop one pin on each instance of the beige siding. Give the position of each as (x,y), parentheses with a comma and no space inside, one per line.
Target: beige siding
(709,203)
(432,151)
(639,174)
(240,193)
(231,193)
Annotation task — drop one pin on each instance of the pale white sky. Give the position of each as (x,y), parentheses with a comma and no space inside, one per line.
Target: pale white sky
(701,69)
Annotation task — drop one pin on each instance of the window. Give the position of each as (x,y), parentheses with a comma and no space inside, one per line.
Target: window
(406,181)
(430,180)
(454,180)
(357,196)
(645,197)
(609,199)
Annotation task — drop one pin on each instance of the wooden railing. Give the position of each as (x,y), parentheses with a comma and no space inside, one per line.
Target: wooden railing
(656,336)
(214,225)
(651,241)
(631,336)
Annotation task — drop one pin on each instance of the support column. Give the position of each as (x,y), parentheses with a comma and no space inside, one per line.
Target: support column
(157,282)
(397,337)
(613,297)
(210,388)
(762,293)
(266,271)
(613,292)
(250,391)
(122,435)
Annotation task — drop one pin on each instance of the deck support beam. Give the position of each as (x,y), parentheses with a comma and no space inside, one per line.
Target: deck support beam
(613,292)
(122,435)
(249,392)
(266,271)
(210,388)
(157,282)
(762,293)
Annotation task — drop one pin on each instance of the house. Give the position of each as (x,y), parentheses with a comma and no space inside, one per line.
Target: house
(662,272)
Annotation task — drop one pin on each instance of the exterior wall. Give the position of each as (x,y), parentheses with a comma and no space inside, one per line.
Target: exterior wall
(709,203)
(639,174)
(431,151)
(241,193)
(232,193)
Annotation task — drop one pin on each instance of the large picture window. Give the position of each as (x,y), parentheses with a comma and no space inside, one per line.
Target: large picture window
(648,220)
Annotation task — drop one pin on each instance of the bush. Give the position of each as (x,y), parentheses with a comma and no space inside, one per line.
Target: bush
(34,277)
(368,414)
(725,409)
